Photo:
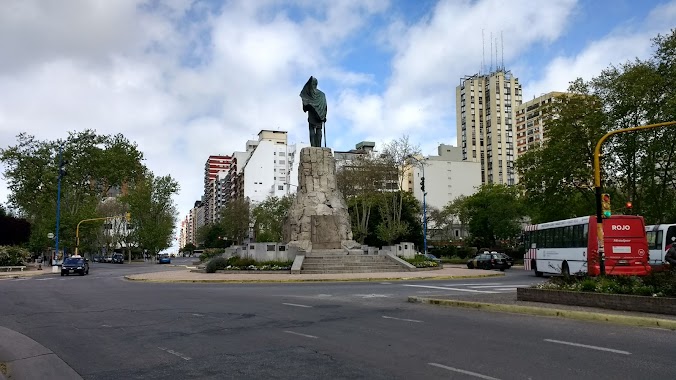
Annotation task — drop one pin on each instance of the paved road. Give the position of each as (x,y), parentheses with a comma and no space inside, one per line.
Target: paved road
(108,328)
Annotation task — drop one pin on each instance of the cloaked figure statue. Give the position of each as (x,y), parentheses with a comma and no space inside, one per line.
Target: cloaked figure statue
(314,103)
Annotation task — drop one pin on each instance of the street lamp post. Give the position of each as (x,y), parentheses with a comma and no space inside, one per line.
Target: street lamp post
(424,193)
(58,206)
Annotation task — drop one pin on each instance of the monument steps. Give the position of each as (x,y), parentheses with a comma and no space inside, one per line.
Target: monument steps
(352,263)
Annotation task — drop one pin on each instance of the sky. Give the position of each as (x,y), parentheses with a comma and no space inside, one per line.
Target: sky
(186,79)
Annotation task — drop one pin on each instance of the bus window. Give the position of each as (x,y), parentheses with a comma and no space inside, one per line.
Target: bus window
(654,239)
(585,235)
(671,232)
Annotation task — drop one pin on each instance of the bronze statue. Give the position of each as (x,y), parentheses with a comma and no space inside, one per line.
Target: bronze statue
(314,103)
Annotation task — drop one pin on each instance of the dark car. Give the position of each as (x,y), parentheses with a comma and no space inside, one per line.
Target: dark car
(505,256)
(488,261)
(74,265)
(118,258)
(431,257)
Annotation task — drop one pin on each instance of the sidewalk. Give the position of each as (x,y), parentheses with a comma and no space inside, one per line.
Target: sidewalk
(31,270)
(188,276)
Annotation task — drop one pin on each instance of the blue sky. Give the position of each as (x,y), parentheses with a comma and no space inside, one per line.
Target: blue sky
(185,79)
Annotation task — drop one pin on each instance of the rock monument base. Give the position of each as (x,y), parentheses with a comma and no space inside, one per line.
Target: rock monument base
(318,218)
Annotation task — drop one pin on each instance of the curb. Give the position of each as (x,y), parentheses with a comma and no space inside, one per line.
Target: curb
(24,358)
(368,279)
(548,312)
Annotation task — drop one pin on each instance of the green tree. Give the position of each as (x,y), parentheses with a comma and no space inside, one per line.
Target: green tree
(494,213)
(269,217)
(153,211)
(95,164)
(558,177)
(212,236)
(189,247)
(235,218)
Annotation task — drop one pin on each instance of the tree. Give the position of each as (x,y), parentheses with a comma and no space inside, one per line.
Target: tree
(190,247)
(558,177)
(493,214)
(95,165)
(153,211)
(235,217)
(269,216)
(212,236)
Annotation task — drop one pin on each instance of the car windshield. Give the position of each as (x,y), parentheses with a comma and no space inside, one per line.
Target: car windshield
(73,261)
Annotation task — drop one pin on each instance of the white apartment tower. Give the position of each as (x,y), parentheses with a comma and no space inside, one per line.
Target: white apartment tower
(485,119)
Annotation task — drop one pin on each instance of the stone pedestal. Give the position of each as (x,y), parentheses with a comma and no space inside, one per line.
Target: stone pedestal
(318,217)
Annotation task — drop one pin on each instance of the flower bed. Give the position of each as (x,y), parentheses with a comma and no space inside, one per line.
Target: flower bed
(661,284)
(420,261)
(236,263)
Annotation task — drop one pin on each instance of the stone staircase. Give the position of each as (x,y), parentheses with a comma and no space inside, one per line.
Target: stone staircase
(339,261)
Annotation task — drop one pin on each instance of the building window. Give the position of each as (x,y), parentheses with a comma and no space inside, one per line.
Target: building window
(280,187)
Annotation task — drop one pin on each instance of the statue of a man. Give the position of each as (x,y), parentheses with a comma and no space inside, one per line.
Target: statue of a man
(314,103)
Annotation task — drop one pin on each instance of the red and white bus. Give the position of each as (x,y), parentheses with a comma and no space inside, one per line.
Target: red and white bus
(570,246)
(659,241)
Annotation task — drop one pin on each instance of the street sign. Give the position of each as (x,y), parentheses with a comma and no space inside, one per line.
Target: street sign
(50,236)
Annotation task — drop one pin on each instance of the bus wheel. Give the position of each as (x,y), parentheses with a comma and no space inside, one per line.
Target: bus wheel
(534,265)
(564,270)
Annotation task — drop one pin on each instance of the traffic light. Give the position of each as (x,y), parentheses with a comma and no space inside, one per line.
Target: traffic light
(127,216)
(422,184)
(62,168)
(605,205)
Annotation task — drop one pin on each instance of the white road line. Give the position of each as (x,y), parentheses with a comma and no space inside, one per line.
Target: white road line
(21,279)
(498,286)
(506,289)
(295,304)
(198,315)
(463,371)
(175,353)
(385,283)
(299,334)
(457,289)
(45,279)
(476,283)
(588,346)
(403,319)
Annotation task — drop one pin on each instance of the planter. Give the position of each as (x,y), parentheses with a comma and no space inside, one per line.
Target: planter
(254,271)
(658,305)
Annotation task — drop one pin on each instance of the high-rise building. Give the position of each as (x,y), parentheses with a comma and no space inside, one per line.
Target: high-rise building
(531,121)
(212,168)
(272,168)
(485,120)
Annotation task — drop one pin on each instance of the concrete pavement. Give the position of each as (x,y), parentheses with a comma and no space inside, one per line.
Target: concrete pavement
(23,358)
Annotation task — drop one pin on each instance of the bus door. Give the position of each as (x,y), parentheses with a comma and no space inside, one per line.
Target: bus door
(625,245)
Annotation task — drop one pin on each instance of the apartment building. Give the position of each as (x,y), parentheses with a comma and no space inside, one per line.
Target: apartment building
(272,167)
(214,166)
(485,120)
(531,121)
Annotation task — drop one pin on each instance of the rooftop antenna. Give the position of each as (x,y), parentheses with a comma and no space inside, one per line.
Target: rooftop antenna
(497,66)
(483,52)
(502,48)
(491,51)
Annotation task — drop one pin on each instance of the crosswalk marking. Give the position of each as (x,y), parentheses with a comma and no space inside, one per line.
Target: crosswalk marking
(456,289)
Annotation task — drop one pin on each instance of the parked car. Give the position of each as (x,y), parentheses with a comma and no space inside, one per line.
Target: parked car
(164,258)
(431,257)
(488,261)
(118,258)
(75,264)
(505,256)
(96,259)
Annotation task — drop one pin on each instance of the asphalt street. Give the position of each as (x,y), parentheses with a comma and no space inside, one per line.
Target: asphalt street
(106,327)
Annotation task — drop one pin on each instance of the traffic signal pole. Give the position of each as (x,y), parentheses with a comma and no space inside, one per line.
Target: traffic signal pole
(599,188)
(127,217)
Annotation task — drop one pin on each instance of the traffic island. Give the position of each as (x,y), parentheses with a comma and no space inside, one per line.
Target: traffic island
(549,311)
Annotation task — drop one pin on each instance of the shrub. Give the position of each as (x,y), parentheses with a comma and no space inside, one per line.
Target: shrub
(660,284)
(217,263)
(420,261)
(13,256)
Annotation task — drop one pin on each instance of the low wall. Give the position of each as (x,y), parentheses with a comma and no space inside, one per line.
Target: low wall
(262,252)
(659,305)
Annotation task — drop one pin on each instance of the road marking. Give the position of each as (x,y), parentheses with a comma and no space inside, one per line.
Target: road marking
(457,289)
(587,346)
(463,371)
(403,319)
(305,335)
(175,353)
(475,283)
(497,286)
(372,295)
(506,289)
(21,279)
(295,304)
(385,283)
(45,279)
(106,326)
(198,315)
